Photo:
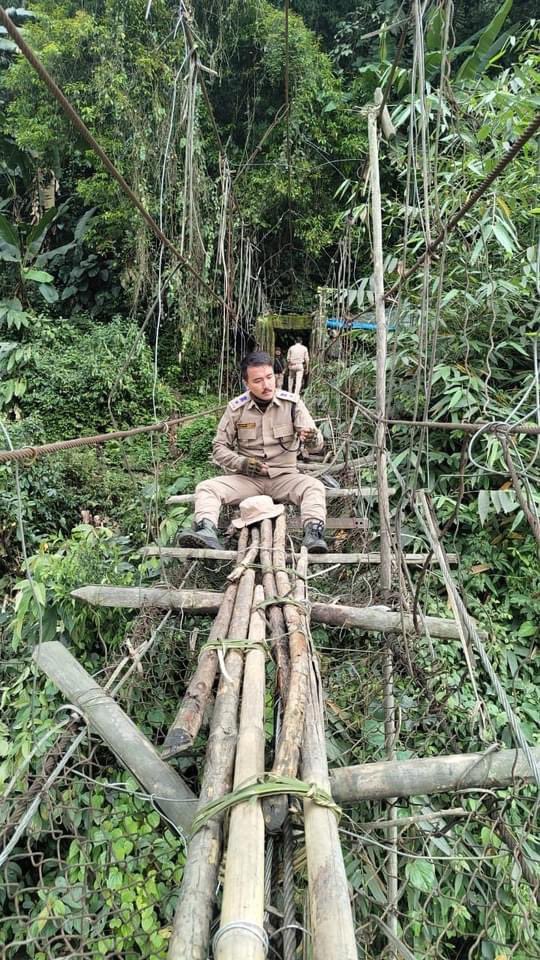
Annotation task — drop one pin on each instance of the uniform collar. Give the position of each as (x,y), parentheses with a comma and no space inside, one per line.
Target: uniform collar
(253,403)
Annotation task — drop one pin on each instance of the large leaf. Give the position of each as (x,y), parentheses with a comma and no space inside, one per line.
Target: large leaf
(38,233)
(83,224)
(48,292)
(40,276)
(9,239)
(475,64)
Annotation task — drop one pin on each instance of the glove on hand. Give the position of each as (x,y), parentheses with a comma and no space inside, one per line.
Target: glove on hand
(251,467)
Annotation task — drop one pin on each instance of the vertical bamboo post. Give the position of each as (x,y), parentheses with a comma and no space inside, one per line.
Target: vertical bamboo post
(191,927)
(380,380)
(243,888)
(330,909)
(382,486)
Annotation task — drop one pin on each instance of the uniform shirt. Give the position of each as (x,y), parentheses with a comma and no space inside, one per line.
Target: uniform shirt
(298,356)
(245,431)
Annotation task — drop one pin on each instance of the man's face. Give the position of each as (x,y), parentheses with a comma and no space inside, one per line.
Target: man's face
(261,382)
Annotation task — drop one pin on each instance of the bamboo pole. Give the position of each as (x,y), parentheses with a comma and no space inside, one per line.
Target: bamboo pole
(319,559)
(276,619)
(191,928)
(380,371)
(368,619)
(243,887)
(330,910)
(249,558)
(188,720)
(430,775)
(288,751)
(118,731)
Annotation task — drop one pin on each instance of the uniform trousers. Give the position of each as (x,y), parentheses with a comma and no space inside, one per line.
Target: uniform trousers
(296,375)
(304,492)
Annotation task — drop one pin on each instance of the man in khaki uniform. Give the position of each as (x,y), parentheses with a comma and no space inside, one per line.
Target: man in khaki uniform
(297,365)
(257,442)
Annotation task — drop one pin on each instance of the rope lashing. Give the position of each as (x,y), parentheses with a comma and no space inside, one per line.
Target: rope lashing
(234,643)
(269,785)
(304,605)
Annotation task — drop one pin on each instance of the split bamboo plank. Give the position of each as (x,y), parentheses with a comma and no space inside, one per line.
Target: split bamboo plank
(446,774)
(278,632)
(288,750)
(368,619)
(319,559)
(115,728)
(243,887)
(188,720)
(330,909)
(191,928)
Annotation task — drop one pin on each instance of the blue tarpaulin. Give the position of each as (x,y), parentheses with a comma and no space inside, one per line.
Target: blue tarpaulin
(336,323)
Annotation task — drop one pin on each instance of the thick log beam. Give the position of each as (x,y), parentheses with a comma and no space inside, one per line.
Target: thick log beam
(118,731)
(447,774)
(368,619)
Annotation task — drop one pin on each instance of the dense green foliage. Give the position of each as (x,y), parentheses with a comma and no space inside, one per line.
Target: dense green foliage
(280,208)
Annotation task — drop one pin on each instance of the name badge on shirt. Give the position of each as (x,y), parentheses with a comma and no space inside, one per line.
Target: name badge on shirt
(247,426)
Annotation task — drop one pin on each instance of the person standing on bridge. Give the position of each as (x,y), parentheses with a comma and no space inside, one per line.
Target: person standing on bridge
(257,442)
(297,365)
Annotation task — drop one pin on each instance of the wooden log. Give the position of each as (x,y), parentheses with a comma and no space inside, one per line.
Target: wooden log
(188,720)
(191,601)
(369,619)
(330,910)
(288,750)
(320,559)
(333,523)
(115,728)
(381,621)
(243,887)
(274,612)
(191,928)
(430,775)
(332,493)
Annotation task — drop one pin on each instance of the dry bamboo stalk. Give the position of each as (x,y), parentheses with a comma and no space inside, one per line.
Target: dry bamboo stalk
(194,601)
(118,731)
(318,559)
(250,557)
(191,929)
(288,751)
(330,910)
(188,720)
(278,631)
(243,888)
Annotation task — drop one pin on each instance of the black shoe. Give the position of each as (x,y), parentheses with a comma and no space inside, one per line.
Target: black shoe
(313,537)
(203,535)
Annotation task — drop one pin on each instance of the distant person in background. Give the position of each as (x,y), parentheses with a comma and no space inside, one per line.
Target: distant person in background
(297,366)
(279,368)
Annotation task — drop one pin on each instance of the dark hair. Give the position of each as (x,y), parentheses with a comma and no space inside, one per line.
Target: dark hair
(256,359)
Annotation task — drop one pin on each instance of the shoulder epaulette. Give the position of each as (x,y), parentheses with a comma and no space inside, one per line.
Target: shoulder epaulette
(239,401)
(286,395)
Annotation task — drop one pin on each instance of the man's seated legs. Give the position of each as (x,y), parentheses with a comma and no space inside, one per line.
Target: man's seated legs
(210,496)
(308,493)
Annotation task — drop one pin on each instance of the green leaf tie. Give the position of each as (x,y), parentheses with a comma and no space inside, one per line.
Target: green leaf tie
(267,785)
